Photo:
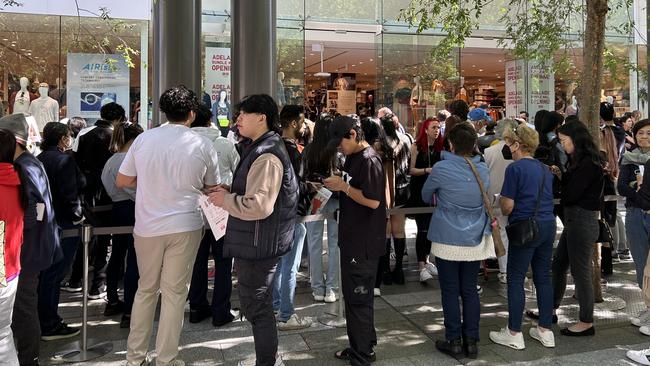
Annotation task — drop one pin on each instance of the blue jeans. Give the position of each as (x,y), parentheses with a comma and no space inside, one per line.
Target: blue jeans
(637,229)
(538,255)
(284,283)
(458,279)
(49,285)
(315,244)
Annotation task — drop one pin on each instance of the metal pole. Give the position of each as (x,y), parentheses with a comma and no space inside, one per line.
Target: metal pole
(80,351)
(253,48)
(335,319)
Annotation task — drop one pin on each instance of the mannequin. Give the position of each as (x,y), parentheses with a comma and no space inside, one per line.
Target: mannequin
(221,113)
(416,99)
(282,99)
(20,100)
(572,109)
(402,94)
(44,109)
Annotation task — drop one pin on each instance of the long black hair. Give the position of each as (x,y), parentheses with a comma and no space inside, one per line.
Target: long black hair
(389,126)
(7,152)
(318,158)
(583,142)
(376,136)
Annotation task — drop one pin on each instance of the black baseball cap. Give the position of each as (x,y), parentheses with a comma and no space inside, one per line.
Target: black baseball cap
(339,129)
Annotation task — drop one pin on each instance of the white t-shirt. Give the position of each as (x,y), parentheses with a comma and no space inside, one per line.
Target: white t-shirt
(172,164)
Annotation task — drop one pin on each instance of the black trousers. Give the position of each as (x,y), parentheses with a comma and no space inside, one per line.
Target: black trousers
(357,282)
(256,297)
(25,324)
(222,279)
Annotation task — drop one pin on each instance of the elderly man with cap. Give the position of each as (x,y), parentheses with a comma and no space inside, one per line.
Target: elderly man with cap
(362,204)
(40,248)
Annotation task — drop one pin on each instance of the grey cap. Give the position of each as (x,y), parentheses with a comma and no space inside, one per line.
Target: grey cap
(16,124)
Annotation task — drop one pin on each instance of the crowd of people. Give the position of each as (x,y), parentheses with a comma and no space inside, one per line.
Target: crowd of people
(494,187)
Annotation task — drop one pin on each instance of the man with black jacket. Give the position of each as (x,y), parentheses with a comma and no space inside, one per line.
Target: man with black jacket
(92,153)
(262,204)
(40,247)
(362,204)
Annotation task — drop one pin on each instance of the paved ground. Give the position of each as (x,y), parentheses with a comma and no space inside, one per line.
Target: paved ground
(408,320)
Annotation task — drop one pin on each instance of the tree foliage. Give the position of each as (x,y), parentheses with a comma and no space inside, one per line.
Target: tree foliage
(534,30)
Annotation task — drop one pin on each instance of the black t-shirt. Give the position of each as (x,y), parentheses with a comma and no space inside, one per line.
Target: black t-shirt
(362,230)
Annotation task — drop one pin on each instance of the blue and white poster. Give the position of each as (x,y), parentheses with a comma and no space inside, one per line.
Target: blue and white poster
(95,80)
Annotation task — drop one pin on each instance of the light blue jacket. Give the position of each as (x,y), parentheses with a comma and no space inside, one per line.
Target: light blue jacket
(459,218)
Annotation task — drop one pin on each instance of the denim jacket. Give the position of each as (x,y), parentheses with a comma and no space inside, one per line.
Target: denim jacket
(459,218)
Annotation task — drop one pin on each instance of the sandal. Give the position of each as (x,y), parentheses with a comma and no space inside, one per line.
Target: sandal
(344,354)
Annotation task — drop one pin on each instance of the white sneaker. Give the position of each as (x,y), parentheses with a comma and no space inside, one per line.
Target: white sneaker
(641,357)
(645,330)
(432,269)
(479,289)
(425,275)
(331,296)
(547,339)
(317,297)
(504,337)
(503,278)
(377,292)
(643,318)
(294,322)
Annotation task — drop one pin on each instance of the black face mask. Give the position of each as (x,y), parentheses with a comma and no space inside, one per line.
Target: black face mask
(506,152)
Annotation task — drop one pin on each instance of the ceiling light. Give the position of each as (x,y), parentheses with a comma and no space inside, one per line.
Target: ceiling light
(500,60)
(480,70)
(360,62)
(380,56)
(311,54)
(353,65)
(371,60)
(293,63)
(473,65)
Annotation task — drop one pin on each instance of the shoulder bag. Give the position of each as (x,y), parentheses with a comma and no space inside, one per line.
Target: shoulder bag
(523,232)
(499,249)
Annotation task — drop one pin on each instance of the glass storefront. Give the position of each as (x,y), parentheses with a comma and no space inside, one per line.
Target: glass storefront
(369,59)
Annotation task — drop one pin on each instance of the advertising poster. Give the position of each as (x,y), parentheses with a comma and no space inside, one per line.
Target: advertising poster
(541,89)
(342,81)
(515,88)
(217,83)
(95,80)
(342,101)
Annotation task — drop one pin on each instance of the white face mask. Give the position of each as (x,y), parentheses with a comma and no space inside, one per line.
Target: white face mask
(43,91)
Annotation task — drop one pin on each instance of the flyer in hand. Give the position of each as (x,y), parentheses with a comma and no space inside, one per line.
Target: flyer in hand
(217,217)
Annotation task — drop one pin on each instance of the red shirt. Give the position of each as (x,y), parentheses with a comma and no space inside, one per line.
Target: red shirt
(12,213)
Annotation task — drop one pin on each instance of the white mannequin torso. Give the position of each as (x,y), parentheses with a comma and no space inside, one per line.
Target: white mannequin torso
(44,109)
(22,101)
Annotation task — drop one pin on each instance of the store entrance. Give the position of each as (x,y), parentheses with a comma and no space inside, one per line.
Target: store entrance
(482,71)
(345,81)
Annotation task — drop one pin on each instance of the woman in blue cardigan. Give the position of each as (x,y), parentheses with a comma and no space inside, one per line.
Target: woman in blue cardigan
(460,232)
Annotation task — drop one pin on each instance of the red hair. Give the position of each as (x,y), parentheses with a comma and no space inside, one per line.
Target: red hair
(422,141)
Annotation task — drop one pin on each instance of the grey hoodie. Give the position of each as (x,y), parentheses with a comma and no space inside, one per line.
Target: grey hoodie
(228,156)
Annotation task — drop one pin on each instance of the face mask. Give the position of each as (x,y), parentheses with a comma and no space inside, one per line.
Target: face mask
(506,152)
(43,91)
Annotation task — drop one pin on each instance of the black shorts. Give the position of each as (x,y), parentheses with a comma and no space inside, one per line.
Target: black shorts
(402,196)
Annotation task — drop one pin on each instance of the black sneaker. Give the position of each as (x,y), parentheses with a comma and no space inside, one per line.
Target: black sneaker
(398,276)
(200,314)
(470,347)
(97,292)
(114,308)
(125,322)
(60,332)
(452,348)
(71,287)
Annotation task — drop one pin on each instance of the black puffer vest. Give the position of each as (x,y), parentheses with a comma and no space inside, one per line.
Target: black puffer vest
(272,236)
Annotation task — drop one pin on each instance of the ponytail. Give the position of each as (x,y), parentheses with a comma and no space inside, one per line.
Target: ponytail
(123,133)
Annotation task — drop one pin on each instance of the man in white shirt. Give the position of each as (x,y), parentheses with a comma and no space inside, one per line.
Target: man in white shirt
(171,164)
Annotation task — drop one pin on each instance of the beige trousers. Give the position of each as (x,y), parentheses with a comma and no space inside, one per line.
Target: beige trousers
(165,265)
